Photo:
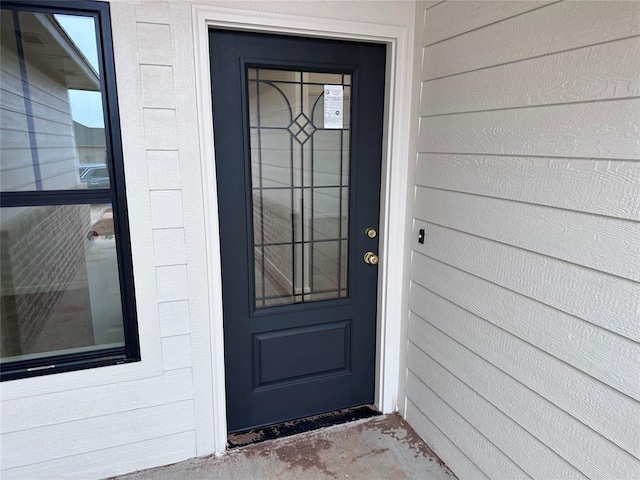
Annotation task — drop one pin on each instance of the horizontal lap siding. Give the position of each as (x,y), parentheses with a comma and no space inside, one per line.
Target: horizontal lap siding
(551,29)
(465,468)
(122,458)
(603,243)
(486,455)
(612,359)
(579,291)
(525,298)
(61,440)
(461,17)
(606,130)
(600,72)
(603,187)
(50,409)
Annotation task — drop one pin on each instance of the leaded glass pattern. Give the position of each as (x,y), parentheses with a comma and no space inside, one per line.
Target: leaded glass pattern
(300,187)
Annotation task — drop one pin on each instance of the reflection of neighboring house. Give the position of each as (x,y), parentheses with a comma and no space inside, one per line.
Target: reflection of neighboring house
(39,151)
(36,100)
(90,144)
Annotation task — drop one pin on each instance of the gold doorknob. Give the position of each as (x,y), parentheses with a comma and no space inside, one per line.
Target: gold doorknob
(371,258)
(370,232)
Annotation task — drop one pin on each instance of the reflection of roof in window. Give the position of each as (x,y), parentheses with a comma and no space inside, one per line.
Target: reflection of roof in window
(82,32)
(47,46)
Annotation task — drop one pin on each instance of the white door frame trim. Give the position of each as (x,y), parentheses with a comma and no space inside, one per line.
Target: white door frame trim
(395,168)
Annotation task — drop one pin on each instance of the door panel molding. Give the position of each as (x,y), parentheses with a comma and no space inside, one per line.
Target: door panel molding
(329,358)
(208,358)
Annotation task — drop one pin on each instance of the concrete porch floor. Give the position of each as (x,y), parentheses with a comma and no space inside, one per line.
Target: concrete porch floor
(383,447)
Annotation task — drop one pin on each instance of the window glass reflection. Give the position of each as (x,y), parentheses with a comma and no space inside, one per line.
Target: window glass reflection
(59,290)
(52,122)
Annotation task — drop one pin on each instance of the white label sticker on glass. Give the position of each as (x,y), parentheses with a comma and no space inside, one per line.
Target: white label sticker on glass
(333,106)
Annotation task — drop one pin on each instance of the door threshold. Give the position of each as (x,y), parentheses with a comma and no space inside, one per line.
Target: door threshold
(307,424)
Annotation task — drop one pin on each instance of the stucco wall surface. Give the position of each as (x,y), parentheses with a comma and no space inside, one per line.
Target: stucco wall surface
(524,327)
(101,422)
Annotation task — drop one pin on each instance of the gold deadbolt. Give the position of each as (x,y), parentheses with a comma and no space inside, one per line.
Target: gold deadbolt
(371,258)
(371,232)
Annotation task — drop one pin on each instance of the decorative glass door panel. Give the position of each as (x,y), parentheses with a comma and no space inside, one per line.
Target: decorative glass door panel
(300,135)
(298,158)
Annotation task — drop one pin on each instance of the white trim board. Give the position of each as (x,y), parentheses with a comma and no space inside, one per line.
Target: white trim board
(393,213)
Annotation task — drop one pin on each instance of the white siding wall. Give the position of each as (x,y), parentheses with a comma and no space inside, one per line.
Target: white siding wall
(523,355)
(101,422)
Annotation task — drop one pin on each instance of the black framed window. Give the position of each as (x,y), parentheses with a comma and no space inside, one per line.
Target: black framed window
(66,292)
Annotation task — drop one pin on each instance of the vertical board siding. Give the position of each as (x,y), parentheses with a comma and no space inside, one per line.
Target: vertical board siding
(525,298)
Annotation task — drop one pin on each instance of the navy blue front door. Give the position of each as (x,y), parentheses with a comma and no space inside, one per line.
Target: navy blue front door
(298,145)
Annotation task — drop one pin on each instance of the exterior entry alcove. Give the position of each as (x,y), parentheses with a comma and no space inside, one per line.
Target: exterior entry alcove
(395,169)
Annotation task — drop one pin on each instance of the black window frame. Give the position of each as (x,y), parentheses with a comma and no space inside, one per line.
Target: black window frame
(115,195)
